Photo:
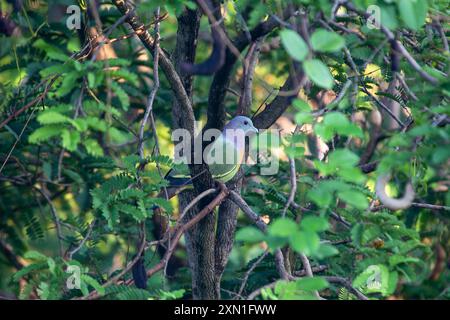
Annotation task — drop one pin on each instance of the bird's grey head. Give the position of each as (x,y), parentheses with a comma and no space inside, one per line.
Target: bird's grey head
(243,123)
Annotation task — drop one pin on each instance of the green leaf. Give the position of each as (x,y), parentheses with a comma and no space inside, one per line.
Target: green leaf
(306,242)
(356,234)
(50,50)
(121,95)
(70,139)
(92,147)
(343,158)
(27,269)
(337,123)
(312,283)
(393,280)
(316,224)
(52,117)
(172,295)
(389,16)
(318,73)
(321,195)
(282,227)
(43,291)
(250,234)
(51,265)
(301,105)
(354,198)
(295,151)
(84,288)
(398,259)
(440,155)
(370,233)
(161,202)
(294,44)
(97,124)
(80,124)
(93,283)
(413,12)
(117,135)
(303,118)
(47,169)
(73,175)
(68,83)
(45,133)
(35,255)
(325,251)
(91,80)
(326,41)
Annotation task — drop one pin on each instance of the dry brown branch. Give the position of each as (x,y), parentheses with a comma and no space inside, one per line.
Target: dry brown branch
(179,232)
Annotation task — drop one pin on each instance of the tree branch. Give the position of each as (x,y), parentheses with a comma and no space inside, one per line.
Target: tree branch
(167,66)
(220,83)
(276,108)
(347,284)
(261,225)
(401,48)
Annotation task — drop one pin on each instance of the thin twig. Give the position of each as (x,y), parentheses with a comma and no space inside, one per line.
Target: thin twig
(417,205)
(149,107)
(443,35)
(83,241)
(347,284)
(94,294)
(44,193)
(166,65)
(206,10)
(309,272)
(174,240)
(151,98)
(279,259)
(302,273)
(384,107)
(35,101)
(293,180)
(249,271)
(106,35)
(401,48)
(194,202)
(17,140)
(401,78)
(258,291)
(342,281)
(251,59)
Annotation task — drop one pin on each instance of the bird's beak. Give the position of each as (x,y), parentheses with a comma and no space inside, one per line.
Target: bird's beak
(255,130)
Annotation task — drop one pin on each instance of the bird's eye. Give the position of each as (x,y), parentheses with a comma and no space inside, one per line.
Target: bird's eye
(246,122)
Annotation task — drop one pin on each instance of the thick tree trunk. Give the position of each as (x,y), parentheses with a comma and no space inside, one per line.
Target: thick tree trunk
(208,250)
(198,241)
(226,227)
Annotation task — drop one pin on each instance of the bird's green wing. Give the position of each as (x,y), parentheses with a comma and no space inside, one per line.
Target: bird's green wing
(224,169)
(228,164)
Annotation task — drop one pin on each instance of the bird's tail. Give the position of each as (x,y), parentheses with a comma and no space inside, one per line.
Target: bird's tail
(175,182)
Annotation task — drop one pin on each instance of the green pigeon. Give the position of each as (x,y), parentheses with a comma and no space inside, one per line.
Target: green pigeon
(224,156)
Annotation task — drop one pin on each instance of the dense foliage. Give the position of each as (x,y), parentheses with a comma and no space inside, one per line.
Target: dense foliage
(363,101)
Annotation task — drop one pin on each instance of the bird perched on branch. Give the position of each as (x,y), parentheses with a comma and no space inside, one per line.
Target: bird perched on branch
(224,157)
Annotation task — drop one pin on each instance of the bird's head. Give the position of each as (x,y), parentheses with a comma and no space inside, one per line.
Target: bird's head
(242,123)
